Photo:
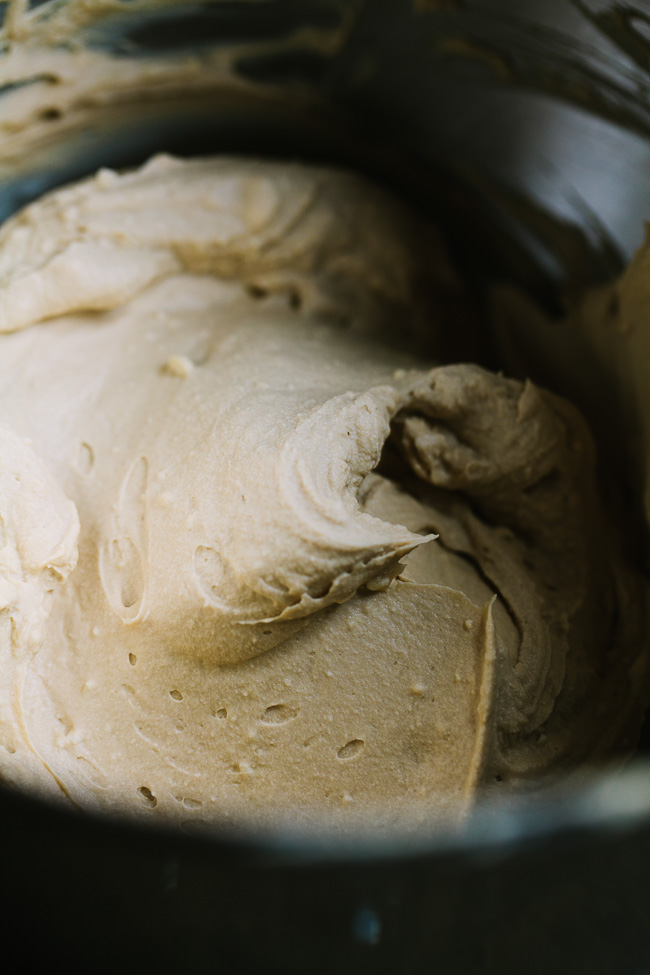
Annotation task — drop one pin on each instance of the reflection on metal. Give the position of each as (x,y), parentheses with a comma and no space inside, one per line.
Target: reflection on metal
(547,100)
(366,926)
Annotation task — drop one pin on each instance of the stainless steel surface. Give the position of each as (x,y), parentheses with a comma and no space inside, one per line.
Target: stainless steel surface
(523,129)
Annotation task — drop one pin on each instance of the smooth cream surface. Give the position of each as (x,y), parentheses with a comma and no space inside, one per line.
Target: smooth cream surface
(260,553)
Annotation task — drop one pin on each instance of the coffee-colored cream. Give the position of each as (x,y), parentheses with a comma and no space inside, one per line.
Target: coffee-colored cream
(259,553)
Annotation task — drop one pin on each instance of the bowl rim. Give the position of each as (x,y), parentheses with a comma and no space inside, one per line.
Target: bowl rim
(608,803)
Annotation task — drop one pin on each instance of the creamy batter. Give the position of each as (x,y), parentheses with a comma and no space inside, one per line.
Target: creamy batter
(261,553)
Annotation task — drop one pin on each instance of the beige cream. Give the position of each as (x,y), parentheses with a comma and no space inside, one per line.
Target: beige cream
(260,553)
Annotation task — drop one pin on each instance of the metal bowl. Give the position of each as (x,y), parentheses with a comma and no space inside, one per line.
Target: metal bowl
(523,130)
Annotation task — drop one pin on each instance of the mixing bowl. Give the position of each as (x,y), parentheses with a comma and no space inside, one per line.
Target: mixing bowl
(522,129)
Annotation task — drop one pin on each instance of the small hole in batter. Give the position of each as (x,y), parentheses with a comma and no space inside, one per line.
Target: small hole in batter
(351,749)
(148,796)
(192,803)
(50,114)
(256,291)
(279,714)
